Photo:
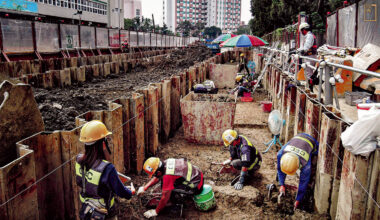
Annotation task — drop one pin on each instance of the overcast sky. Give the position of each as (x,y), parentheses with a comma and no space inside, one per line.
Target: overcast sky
(150,7)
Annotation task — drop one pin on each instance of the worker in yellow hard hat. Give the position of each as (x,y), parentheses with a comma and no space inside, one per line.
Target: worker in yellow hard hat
(243,156)
(294,155)
(101,181)
(243,62)
(176,175)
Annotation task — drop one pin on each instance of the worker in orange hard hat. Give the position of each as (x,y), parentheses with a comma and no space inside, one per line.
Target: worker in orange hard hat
(176,175)
(243,62)
(100,182)
(294,155)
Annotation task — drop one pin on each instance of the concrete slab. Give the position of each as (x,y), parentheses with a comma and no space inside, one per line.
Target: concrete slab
(223,75)
(250,114)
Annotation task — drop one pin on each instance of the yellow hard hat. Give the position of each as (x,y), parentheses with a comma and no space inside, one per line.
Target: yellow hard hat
(229,136)
(151,165)
(93,131)
(289,163)
(242,54)
(238,78)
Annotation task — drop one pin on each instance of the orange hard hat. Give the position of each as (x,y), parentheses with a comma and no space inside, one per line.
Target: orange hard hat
(289,163)
(151,165)
(93,131)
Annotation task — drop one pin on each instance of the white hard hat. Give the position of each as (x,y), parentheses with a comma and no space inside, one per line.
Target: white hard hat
(304,25)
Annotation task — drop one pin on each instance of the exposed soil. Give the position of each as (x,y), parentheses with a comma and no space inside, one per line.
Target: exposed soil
(213,98)
(59,107)
(250,203)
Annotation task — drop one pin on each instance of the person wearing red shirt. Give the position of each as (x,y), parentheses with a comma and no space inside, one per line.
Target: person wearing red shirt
(176,174)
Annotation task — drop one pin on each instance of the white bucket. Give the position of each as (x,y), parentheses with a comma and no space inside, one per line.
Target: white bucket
(364,109)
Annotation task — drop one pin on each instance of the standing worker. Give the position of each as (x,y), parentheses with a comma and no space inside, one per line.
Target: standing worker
(100,182)
(243,63)
(309,48)
(244,156)
(294,155)
(176,174)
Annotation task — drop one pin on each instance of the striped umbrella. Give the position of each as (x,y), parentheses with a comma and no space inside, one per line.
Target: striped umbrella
(223,38)
(244,41)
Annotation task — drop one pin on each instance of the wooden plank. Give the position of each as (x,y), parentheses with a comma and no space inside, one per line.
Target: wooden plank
(175,112)
(153,124)
(15,177)
(81,74)
(144,92)
(183,84)
(166,90)
(160,111)
(126,132)
(372,211)
(107,69)
(328,148)
(137,131)
(290,114)
(300,113)
(95,70)
(313,116)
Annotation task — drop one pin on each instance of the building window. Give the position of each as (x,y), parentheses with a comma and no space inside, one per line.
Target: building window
(137,12)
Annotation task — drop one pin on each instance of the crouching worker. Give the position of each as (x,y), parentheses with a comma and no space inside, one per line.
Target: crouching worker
(244,156)
(100,181)
(294,155)
(177,175)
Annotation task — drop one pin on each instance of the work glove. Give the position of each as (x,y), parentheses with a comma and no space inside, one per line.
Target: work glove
(140,191)
(150,213)
(240,184)
(296,204)
(227,162)
(282,190)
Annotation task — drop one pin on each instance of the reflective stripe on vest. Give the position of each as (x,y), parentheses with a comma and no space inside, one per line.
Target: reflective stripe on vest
(304,139)
(299,152)
(170,170)
(254,163)
(257,152)
(101,201)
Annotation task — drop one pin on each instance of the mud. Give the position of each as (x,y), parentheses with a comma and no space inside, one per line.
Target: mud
(250,203)
(60,106)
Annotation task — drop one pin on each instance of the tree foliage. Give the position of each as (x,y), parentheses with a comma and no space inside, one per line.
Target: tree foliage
(244,29)
(146,25)
(268,15)
(185,27)
(212,32)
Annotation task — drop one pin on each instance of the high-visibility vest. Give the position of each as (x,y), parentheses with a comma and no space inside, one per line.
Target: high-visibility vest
(301,145)
(181,167)
(257,154)
(92,179)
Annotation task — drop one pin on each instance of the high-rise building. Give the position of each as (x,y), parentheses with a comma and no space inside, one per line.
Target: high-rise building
(225,14)
(132,8)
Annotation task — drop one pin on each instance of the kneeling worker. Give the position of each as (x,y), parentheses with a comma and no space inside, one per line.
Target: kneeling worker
(100,182)
(294,155)
(176,174)
(244,156)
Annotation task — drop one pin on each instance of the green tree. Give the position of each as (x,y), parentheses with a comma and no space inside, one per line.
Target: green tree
(212,32)
(129,24)
(244,29)
(185,27)
(164,29)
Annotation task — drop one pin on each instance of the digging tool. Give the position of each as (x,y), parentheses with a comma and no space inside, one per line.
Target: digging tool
(124,179)
(270,188)
(235,180)
(224,169)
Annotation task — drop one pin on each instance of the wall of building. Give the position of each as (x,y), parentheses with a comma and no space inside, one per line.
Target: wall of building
(132,8)
(116,19)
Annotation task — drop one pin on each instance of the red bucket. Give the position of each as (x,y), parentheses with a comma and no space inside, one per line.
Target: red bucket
(246,94)
(266,106)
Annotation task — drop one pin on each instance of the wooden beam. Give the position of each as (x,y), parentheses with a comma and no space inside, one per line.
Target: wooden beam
(137,131)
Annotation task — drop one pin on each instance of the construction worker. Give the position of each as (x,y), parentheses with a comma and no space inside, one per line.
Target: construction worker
(243,63)
(243,85)
(177,175)
(100,182)
(294,155)
(244,156)
(309,48)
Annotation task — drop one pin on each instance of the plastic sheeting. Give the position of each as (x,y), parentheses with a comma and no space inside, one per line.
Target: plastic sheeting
(17,35)
(347,25)
(47,37)
(133,38)
(102,38)
(114,38)
(69,36)
(147,39)
(124,35)
(331,30)
(368,23)
(141,39)
(159,40)
(153,39)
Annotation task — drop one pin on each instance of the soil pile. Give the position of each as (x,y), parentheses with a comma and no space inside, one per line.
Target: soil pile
(59,107)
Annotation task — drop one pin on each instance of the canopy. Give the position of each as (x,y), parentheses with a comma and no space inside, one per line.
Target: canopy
(244,41)
(223,38)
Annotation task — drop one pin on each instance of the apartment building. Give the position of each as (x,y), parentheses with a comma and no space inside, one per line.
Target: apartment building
(132,8)
(225,14)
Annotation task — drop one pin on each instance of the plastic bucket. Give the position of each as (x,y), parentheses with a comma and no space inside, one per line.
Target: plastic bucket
(364,109)
(205,200)
(246,94)
(266,106)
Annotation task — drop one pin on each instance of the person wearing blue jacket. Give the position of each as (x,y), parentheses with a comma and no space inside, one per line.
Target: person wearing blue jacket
(100,182)
(294,155)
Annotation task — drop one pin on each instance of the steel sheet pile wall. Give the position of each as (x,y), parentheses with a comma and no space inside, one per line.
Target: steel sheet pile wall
(102,38)
(16,35)
(47,38)
(87,37)
(69,36)
(340,189)
(138,123)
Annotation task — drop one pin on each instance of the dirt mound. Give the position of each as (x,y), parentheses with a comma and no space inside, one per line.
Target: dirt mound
(60,106)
